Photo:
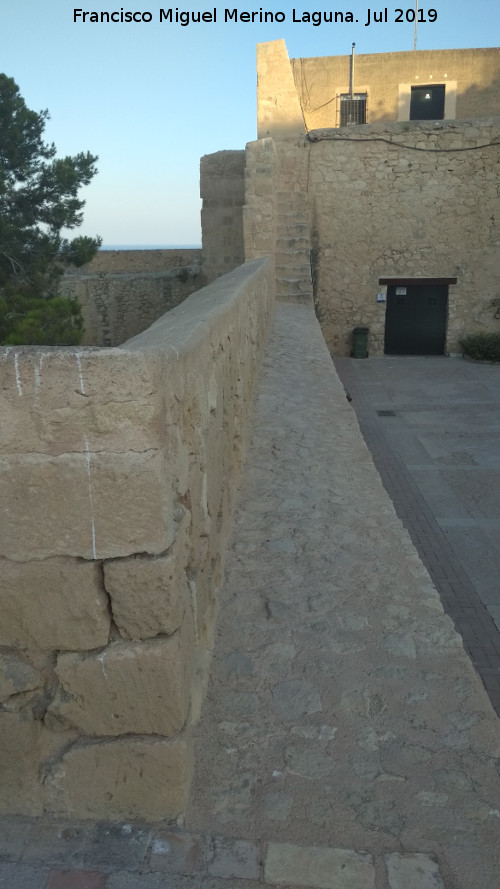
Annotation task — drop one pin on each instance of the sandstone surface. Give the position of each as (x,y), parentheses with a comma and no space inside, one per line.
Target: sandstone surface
(127,688)
(56,603)
(143,778)
(149,595)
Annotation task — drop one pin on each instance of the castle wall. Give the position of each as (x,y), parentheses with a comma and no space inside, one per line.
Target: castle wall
(279,109)
(120,262)
(413,200)
(403,201)
(298,95)
(116,307)
(118,471)
(122,292)
(259,212)
(222,188)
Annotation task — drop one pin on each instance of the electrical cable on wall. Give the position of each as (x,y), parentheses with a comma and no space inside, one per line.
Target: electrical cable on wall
(313,138)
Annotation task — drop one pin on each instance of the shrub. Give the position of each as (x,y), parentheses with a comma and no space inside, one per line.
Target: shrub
(482,346)
(51,322)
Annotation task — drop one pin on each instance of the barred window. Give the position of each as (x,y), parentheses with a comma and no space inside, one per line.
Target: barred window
(352,109)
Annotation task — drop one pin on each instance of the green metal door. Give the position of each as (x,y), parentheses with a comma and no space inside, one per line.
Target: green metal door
(415,320)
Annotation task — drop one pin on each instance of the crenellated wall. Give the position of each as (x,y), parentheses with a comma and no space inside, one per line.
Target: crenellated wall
(118,470)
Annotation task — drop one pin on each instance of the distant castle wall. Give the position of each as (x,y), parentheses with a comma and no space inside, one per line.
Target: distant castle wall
(121,262)
(122,292)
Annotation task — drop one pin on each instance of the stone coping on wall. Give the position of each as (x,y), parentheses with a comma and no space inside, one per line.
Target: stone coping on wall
(205,306)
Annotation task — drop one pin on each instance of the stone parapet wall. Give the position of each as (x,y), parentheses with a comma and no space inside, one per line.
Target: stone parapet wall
(118,471)
(118,306)
(405,200)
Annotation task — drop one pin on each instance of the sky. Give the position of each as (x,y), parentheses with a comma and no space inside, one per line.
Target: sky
(151,98)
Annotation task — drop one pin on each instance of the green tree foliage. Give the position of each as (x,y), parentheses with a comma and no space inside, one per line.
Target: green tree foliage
(38,200)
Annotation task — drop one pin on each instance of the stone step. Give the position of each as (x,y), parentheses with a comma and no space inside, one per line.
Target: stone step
(289,197)
(293,271)
(293,257)
(292,229)
(305,298)
(288,209)
(292,244)
(289,261)
(292,219)
(293,286)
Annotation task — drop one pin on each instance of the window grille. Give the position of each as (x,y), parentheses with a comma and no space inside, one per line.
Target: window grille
(352,109)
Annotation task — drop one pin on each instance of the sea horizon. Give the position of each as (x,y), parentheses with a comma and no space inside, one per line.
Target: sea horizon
(150,247)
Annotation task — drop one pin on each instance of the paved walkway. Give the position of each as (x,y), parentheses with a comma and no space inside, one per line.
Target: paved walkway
(433,429)
(346,741)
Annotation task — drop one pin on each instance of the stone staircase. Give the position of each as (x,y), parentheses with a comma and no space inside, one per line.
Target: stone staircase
(293,246)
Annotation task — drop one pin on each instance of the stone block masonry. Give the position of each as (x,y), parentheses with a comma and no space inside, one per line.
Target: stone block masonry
(222,189)
(402,201)
(140,261)
(118,471)
(118,305)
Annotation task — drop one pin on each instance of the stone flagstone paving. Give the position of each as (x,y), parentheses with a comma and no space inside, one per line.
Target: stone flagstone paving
(346,741)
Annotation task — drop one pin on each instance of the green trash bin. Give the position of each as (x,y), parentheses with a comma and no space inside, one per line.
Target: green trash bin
(360,342)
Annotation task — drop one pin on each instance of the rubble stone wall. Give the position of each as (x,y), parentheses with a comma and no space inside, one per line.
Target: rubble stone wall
(116,307)
(118,469)
(120,262)
(122,292)
(400,201)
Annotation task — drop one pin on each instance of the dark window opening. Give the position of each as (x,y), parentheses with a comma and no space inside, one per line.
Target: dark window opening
(352,109)
(427,102)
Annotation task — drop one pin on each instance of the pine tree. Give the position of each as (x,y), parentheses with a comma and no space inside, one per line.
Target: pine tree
(38,200)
